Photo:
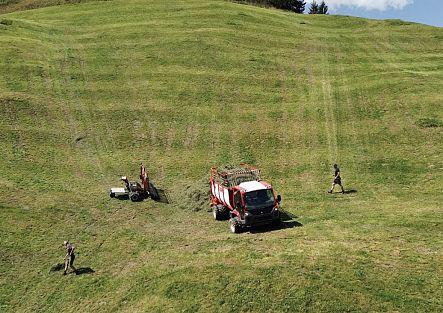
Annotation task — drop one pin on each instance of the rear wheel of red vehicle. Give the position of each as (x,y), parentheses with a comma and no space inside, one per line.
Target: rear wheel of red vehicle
(216,213)
(234,225)
(225,213)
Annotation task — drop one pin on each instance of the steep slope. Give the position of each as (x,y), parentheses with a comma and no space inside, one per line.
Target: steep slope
(89,91)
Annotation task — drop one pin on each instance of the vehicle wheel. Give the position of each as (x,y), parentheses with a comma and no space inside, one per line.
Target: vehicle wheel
(134,196)
(234,225)
(224,212)
(220,212)
(112,195)
(216,213)
(153,192)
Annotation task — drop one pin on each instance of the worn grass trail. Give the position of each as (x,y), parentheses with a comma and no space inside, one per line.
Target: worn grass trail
(88,91)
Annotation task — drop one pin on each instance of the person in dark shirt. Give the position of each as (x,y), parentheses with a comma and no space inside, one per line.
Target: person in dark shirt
(337,179)
(70,256)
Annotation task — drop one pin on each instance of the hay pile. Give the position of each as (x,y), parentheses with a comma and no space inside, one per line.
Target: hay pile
(239,175)
(194,196)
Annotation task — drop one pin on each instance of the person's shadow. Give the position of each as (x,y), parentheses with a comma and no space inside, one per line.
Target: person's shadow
(347,192)
(350,191)
(84,270)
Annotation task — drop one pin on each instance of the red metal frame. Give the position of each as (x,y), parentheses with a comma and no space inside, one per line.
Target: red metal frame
(144,177)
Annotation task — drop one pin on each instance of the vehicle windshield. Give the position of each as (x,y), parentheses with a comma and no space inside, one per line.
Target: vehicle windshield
(259,198)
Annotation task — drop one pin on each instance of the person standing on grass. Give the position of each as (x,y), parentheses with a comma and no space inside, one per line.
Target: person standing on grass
(70,256)
(337,179)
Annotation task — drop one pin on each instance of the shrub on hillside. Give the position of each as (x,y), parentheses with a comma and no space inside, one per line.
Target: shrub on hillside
(297,6)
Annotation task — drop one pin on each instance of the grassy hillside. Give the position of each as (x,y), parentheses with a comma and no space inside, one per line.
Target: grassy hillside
(89,91)
(7,6)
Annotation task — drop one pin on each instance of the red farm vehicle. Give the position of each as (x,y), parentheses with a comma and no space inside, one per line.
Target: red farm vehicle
(134,190)
(242,197)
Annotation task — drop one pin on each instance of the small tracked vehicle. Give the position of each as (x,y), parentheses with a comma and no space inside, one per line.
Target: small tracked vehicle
(136,191)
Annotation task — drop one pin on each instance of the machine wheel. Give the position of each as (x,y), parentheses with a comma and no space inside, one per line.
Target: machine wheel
(216,213)
(153,192)
(220,212)
(224,212)
(134,196)
(112,195)
(234,225)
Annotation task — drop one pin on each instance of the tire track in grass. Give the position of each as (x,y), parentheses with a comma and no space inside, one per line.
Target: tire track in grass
(320,91)
(102,142)
(345,96)
(317,144)
(129,54)
(329,105)
(73,56)
(55,84)
(309,115)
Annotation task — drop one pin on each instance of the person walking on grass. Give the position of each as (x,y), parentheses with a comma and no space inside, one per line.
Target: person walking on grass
(70,256)
(337,179)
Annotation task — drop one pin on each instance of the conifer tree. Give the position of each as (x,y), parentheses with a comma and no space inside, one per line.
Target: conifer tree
(297,6)
(313,9)
(322,8)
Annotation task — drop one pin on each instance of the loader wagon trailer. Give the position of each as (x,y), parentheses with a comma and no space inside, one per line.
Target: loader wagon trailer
(242,197)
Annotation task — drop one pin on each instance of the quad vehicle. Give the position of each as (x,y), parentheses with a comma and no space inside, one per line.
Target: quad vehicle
(134,190)
(241,196)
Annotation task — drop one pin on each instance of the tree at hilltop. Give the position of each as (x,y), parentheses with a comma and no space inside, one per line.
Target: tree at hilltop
(297,6)
(316,8)
(313,9)
(322,8)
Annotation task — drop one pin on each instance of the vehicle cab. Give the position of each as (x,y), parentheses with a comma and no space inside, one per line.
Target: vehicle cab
(255,203)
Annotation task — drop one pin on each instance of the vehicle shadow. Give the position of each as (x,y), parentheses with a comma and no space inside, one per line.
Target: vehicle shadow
(287,221)
(163,196)
(84,270)
(286,216)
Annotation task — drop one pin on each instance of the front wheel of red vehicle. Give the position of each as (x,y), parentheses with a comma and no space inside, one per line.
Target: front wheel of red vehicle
(234,225)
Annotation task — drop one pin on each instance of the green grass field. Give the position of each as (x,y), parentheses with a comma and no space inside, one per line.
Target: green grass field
(90,90)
